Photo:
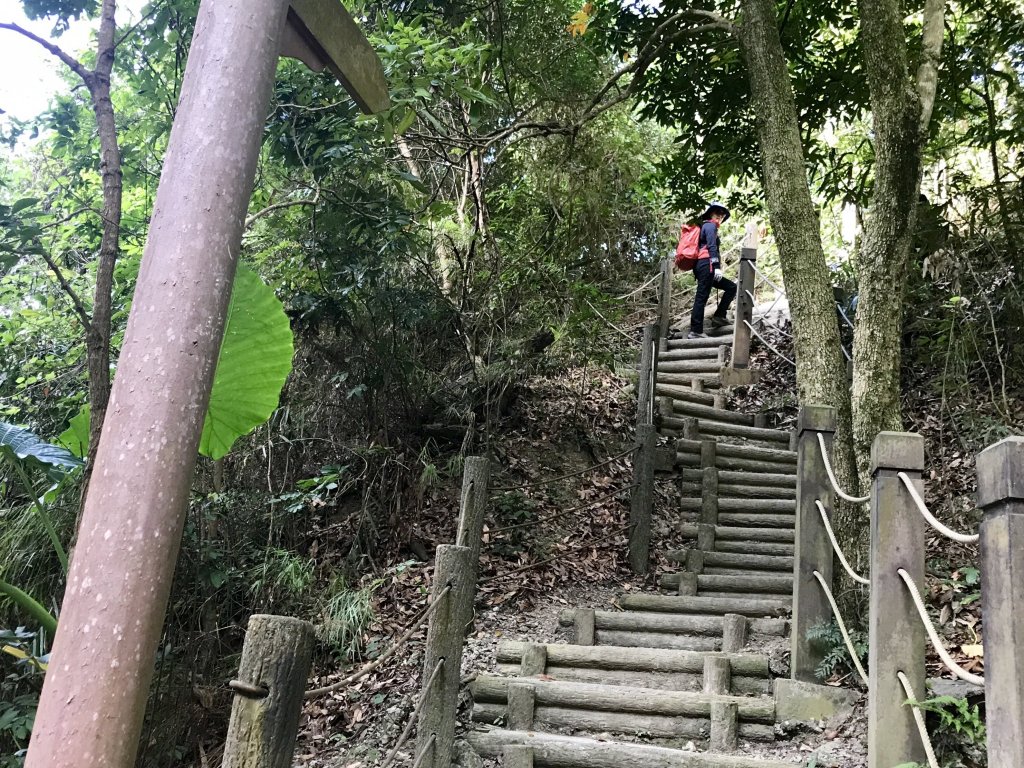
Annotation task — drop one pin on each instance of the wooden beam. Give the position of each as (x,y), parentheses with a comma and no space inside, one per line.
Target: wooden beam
(322,34)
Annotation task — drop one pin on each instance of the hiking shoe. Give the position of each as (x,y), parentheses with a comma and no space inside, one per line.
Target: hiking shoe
(718,322)
(695,335)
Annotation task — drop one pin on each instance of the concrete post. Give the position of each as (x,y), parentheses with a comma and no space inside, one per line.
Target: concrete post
(895,634)
(642,499)
(665,302)
(445,636)
(276,657)
(744,304)
(645,380)
(1001,495)
(476,478)
(813,551)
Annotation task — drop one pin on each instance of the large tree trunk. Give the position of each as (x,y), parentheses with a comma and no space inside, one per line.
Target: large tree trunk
(821,370)
(901,106)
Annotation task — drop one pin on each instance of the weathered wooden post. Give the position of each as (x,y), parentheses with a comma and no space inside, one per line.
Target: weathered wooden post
(435,733)
(896,637)
(1001,495)
(269,692)
(744,304)
(641,507)
(476,478)
(645,380)
(132,519)
(813,550)
(665,302)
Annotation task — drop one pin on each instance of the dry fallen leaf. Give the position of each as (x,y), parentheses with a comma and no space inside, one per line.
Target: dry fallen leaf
(973,651)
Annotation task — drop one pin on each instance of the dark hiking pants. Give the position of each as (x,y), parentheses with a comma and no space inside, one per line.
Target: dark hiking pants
(704,275)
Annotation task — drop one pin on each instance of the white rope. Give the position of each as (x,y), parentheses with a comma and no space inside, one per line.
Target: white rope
(845,353)
(919,719)
(963,538)
(847,319)
(765,278)
(768,343)
(832,477)
(940,649)
(842,628)
(835,546)
(633,293)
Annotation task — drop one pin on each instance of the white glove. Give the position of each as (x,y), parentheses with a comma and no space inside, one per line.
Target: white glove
(717,276)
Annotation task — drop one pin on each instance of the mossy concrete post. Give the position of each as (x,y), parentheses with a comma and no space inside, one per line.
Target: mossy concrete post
(813,550)
(641,507)
(744,304)
(665,302)
(896,637)
(645,380)
(476,479)
(454,567)
(269,691)
(1001,495)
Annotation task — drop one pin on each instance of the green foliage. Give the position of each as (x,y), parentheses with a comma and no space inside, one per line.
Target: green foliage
(255,359)
(25,449)
(957,728)
(344,616)
(22,661)
(836,660)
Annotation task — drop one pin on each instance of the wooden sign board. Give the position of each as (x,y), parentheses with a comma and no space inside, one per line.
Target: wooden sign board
(322,34)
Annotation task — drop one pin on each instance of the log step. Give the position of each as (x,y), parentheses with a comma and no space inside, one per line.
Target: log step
(754,520)
(743,451)
(756,547)
(635,621)
(782,479)
(744,535)
(706,412)
(665,640)
(558,751)
(739,560)
(704,605)
(741,491)
(598,721)
(764,584)
(713,428)
(684,393)
(633,659)
(711,341)
(710,380)
(693,353)
(668,681)
(750,506)
(492,689)
(737,465)
(690,366)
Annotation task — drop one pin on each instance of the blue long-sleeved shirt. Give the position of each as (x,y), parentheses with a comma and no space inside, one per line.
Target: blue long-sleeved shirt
(709,239)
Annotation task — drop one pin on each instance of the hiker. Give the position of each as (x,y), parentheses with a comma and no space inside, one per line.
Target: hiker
(708,272)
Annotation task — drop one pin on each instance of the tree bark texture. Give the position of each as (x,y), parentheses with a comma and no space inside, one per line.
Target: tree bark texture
(821,370)
(901,106)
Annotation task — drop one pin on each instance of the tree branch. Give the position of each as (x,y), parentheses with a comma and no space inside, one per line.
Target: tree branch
(277,207)
(931,53)
(80,310)
(73,64)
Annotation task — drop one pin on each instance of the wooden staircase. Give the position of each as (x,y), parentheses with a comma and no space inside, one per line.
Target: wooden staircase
(637,685)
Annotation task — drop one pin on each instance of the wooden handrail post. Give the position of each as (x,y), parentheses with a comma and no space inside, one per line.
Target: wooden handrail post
(645,380)
(476,478)
(435,733)
(813,550)
(641,502)
(665,302)
(896,636)
(744,304)
(276,657)
(1001,495)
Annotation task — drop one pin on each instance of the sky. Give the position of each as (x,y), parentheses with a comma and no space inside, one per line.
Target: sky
(29,75)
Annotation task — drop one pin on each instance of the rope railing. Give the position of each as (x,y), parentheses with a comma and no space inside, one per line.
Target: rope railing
(926,740)
(949,533)
(842,628)
(407,730)
(843,314)
(366,669)
(933,635)
(832,476)
(563,513)
(766,279)
(423,752)
(540,483)
(767,343)
(835,545)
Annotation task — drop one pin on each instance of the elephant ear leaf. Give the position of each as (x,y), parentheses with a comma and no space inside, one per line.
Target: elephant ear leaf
(255,359)
(23,447)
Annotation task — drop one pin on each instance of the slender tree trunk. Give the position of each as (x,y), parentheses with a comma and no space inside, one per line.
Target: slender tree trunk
(901,104)
(997,176)
(821,369)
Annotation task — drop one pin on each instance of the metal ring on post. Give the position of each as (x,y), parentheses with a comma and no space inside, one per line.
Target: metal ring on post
(248,690)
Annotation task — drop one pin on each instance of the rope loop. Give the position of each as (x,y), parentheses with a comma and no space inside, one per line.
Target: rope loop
(843,630)
(949,533)
(832,476)
(940,649)
(835,545)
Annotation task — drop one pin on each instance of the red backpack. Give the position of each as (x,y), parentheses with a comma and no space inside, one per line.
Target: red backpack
(688,248)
